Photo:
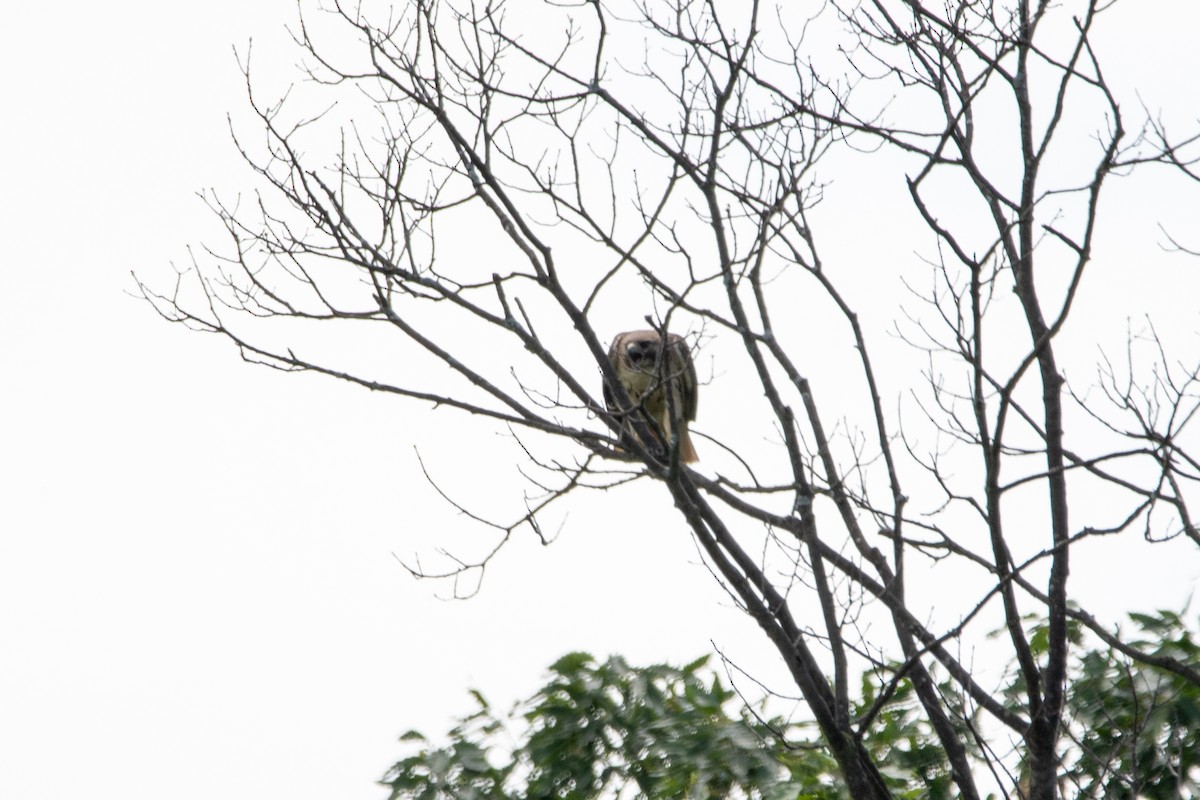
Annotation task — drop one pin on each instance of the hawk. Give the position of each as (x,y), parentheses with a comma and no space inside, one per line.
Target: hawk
(665,389)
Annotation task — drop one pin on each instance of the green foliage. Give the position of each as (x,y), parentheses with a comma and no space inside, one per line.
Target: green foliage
(598,727)
(610,730)
(1137,727)
(902,742)
(1131,730)
(459,770)
(604,730)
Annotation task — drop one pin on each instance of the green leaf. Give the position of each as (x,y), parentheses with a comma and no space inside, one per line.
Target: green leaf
(572,663)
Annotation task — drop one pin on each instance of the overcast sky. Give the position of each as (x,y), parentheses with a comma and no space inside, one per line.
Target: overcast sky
(199,595)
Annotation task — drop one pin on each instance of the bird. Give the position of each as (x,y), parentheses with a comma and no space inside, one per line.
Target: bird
(664,390)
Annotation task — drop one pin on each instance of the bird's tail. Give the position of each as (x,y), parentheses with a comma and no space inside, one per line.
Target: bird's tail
(687,453)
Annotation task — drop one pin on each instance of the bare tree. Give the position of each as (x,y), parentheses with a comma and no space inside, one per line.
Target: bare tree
(664,157)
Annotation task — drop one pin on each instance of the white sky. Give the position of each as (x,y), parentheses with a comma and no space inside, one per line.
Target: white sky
(198,596)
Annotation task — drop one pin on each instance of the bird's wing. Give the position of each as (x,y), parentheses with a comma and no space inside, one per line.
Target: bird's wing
(685,370)
(619,366)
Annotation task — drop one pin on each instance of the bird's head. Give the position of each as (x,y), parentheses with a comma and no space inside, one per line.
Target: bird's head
(642,353)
